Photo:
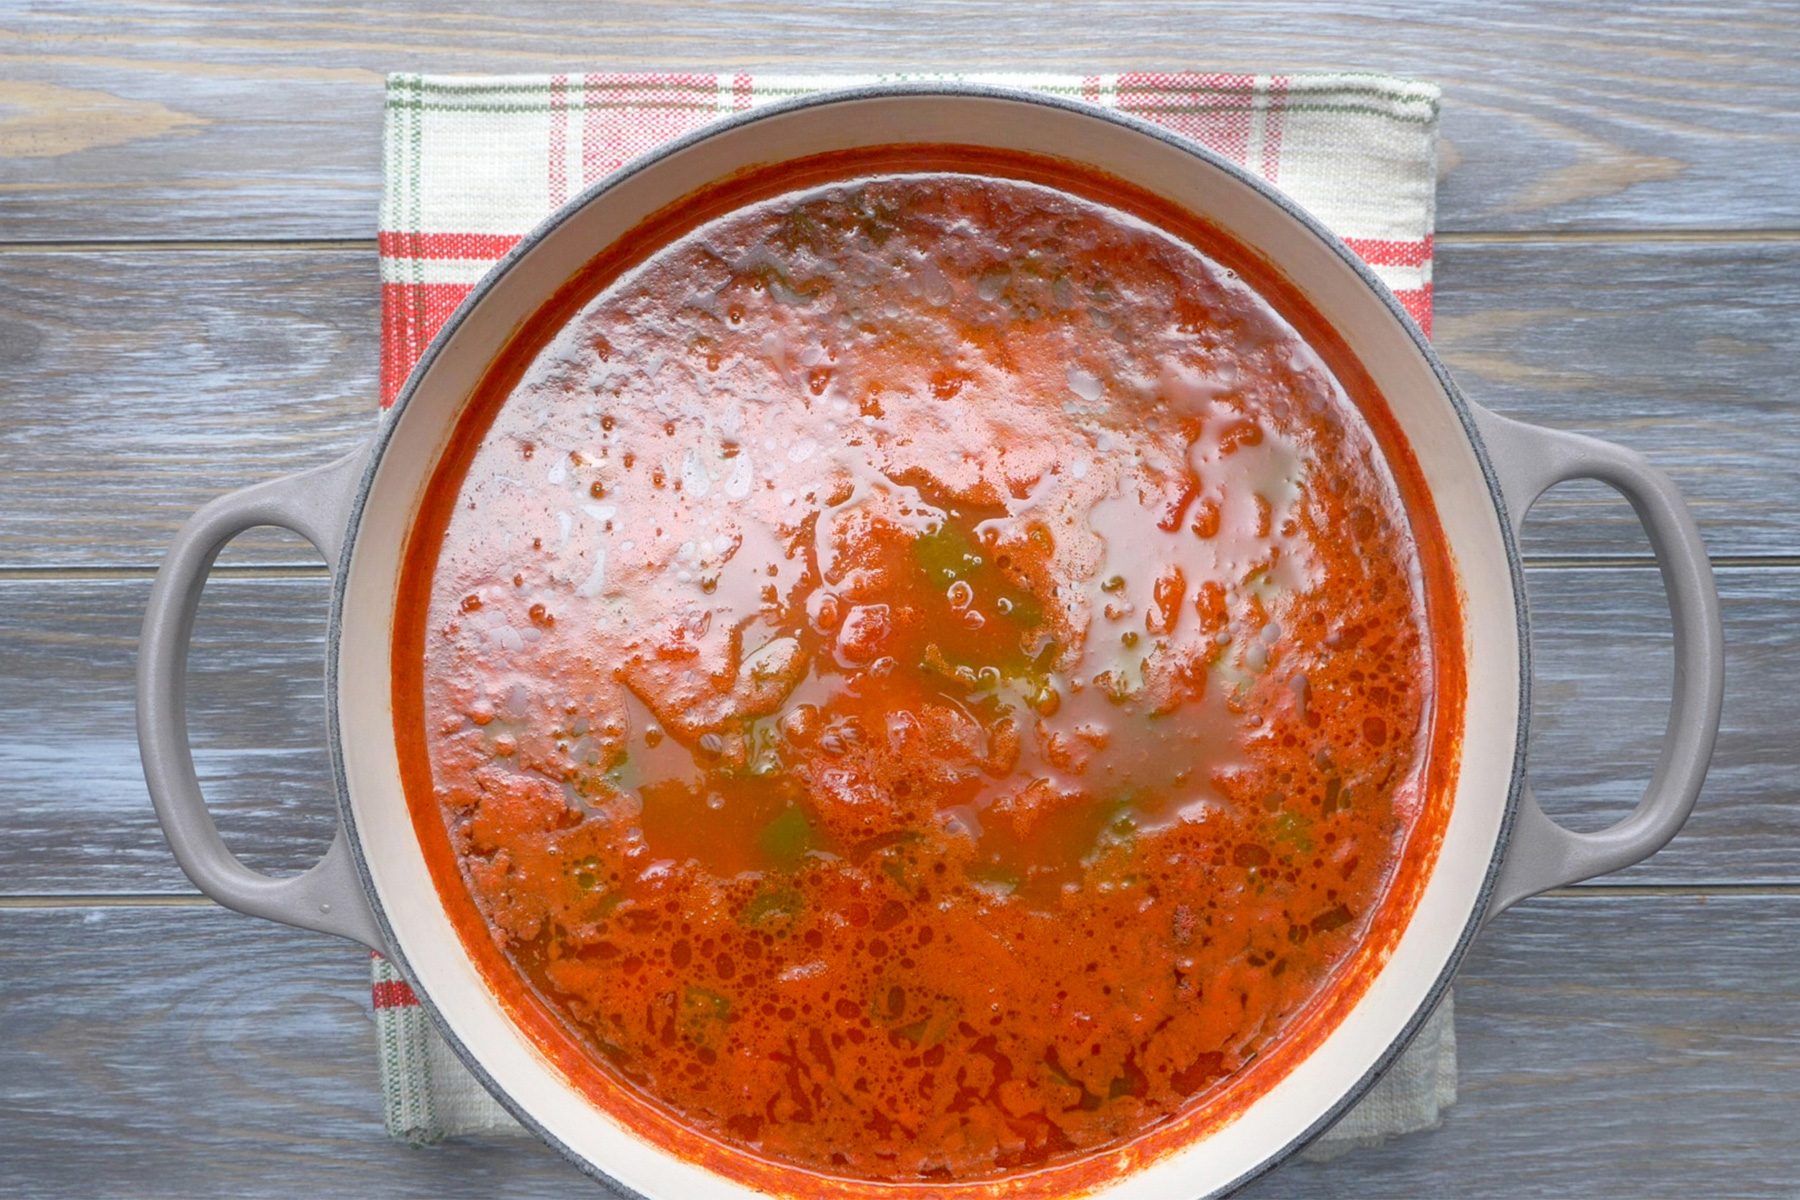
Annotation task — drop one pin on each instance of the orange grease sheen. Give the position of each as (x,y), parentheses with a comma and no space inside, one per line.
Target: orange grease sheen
(927,666)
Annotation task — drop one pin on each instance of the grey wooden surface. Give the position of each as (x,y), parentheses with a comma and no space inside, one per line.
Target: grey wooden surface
(188,303)
(1599,636)
(191,371)
(208,119)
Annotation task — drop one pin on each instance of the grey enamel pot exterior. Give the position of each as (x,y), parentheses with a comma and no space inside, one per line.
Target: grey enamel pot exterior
(1484,472)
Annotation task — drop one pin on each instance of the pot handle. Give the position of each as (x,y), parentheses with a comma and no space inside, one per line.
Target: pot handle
(329,896)
(1529,460)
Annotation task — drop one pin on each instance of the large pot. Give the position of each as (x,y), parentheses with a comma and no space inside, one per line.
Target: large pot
(1484,472)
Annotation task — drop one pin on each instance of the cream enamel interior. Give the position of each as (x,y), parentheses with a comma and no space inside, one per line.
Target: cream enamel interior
(420,926)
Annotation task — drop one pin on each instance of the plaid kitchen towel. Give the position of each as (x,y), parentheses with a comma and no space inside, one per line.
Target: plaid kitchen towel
(473,163)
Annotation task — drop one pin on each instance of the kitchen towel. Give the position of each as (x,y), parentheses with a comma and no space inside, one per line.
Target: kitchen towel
(474,163)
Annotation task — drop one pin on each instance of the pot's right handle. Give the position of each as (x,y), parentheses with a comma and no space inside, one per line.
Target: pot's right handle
(1529,460)
(329,895)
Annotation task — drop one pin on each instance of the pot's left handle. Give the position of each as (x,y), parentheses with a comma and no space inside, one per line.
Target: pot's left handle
(328,896)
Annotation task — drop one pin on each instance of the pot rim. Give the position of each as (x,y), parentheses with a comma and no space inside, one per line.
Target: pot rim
(880,91)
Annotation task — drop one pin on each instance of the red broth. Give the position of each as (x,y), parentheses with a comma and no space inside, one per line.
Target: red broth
(927,667)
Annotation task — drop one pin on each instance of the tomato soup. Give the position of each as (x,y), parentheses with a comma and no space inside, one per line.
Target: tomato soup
(927,667)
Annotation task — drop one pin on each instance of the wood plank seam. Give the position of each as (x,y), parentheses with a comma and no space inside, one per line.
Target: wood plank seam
(314,570)
(1447,238)
(1598,889)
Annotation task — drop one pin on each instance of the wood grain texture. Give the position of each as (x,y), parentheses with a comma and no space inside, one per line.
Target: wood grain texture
(195,1053)
(1602,667)
(198,119)
(77,819)
(142,383)
(1681,351)
(139,385)
(1609,1046)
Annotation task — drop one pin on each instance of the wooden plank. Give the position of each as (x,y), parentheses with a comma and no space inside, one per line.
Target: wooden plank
(1676,350)
(76,819)
(142,383)
(1609,1047)
(76,816)
(195,1053)
(193,119)
(1602,664)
